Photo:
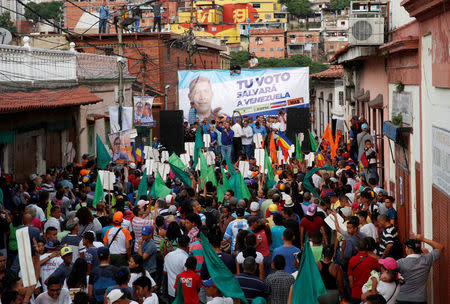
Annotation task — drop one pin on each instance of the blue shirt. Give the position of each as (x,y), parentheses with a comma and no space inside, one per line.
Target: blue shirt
(260,130)
(227,139)
(192,115)
(392,214)
(150,263)
(104,12)
(288,253)
(277,234)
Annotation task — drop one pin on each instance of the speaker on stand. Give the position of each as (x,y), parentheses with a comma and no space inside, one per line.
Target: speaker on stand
(171,130)
(298,121)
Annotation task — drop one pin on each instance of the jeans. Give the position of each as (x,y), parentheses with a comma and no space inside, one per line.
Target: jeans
(157,20)
(137,22)
(102,26)
(248,149)
(226,150)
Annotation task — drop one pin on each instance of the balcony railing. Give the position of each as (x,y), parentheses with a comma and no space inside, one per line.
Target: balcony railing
(98,66)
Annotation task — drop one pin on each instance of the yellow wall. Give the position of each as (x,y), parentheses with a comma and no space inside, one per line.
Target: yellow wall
(231,34)
(203,16)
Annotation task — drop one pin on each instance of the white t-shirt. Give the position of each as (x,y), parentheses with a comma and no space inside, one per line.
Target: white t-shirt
(134,276)
(389,291)
(253,62)
(173,265)
(52,222)
(153,299)
(282,123)
(369,229)
(237,129)
(48,268)
(64,298)
(221,300)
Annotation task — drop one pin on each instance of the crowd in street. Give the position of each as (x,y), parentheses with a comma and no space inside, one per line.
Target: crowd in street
(129,249)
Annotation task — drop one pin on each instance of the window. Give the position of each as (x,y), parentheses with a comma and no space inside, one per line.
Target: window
(291,36)
(254,50)
(213,28)
(279,49)
(341,98)
(342,22)
(275,38)
(256,5)
(308,36)
(256,16)
(271,49)
(262,49)
(268,16)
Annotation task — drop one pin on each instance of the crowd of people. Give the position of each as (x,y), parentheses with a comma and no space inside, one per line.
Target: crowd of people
(129,249)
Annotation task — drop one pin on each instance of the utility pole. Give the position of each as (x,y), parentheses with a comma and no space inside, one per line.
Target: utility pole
(191,37)
(120,63)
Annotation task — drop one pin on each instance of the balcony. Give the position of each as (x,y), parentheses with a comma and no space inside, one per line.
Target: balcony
(98,66)
(27,64)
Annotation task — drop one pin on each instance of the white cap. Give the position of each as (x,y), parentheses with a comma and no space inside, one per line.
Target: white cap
(254,206)
(132,165)
(114,295)
(169,198)
(347,211)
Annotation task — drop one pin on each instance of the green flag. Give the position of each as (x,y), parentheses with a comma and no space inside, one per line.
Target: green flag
(270,176)
(203,169)
(143,187)
(99,195)
(113,200)
(179,295)
(225,183)
(211,175)
(307,185)
(176,161)
(182,175)
(313,142)
(220,193)
(230,166)
(308,286)
(298,150)
(239,187)
(198,145)
(103,157)
(220,274)
(159,188)
(244,189)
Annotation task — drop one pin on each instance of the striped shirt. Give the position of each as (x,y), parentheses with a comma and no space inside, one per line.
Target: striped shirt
(252,286)
(388,236)
(138,223)
(233,229)
(196,250)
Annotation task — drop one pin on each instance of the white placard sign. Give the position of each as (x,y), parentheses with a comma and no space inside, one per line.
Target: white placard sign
(25,260)
(244,168)
(441,159)
(206,140)
(107,178)
(329,220)
(164,170)
(189,148)
(164,156)
(259,156)
(257,139)
(185,158)
(210,158)
(148,152)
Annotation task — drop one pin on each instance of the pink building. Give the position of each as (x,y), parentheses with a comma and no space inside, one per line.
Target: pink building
(267,43)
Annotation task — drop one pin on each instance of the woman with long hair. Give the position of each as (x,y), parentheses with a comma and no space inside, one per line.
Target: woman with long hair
(77,279)
(169,243)
(87,222)
(137,270)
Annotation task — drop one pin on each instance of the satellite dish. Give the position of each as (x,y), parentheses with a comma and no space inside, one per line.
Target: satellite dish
(5,36)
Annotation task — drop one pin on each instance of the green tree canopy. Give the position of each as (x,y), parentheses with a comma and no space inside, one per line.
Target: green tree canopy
(48,10)
(294,61)
(299,8)
(6,22)
(339,4)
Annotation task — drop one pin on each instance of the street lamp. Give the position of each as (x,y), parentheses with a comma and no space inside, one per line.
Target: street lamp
(166,88)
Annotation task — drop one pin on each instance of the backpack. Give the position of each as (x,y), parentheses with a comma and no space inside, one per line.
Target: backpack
(100,286)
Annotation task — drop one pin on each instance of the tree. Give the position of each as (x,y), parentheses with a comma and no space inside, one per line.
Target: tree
(339,4)
(299,8)
(6,23)
(44,10)
(294,61)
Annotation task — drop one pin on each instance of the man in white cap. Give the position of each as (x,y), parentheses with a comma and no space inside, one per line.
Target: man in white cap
(116,296)
(361,139)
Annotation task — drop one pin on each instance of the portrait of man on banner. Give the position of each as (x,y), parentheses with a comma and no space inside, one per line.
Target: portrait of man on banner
(143,110)
(121,146)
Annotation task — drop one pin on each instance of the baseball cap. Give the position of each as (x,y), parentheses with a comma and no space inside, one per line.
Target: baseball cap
(311,209)
(66,250)
(132,165)
(240,211)
(254,206)
(118,217)
(114,295)
(288,203)
(414,245)
(169,198)
(273,208)
(146,230)
(33,176)
(52,244)
(208,283)
(388,263)
(103,252)
(142,203)
(364,126)
(331,194)
(346,211)
(70,225)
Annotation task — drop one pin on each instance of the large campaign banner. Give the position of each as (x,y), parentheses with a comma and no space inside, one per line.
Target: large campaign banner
(253,92)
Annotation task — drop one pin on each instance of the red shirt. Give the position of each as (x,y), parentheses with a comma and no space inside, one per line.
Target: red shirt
(264,245)
(311,226)
(268,214)
(191,283)
(361,273)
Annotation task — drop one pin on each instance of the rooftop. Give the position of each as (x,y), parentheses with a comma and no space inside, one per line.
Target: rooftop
(335,71)
(16,102)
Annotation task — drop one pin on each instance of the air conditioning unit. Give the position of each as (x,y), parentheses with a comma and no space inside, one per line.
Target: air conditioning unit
(366,31)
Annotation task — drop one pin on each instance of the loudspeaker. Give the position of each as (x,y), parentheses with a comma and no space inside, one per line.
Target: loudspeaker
(171,130)
(298,121)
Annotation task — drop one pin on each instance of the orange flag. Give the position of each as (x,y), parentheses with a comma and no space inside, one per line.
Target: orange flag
(273,149)
(328,136)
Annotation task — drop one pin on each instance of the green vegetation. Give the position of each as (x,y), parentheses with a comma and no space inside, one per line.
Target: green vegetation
(241,58)
(339,4)
(299,8)
(48,10)
(6,23)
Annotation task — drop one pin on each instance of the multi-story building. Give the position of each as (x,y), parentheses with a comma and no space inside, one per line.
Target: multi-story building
(335,26)
(267,43)
(303,43)
(318,5)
